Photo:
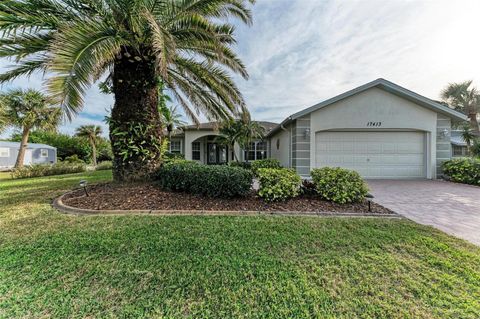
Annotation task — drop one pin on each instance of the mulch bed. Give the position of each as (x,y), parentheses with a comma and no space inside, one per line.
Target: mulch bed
(150,197)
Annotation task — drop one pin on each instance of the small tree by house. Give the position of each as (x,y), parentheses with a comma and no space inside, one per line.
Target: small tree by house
(242,131)
(465,98)
(92,133)
(27,110)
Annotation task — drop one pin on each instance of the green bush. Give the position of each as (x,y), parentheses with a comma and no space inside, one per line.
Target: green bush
(103,166)
(339,185)
(73,159)
(212,181)
(39,170)
(265,163)
(278,184)
(463,170)
(245,165)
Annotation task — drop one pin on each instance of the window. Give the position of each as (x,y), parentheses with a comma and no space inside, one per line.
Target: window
(43,152)
(175,147)
(459,150)
(196,151)
(257,150)
(4,152)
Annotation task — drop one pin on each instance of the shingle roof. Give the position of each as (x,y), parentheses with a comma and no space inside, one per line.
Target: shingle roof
(29,145)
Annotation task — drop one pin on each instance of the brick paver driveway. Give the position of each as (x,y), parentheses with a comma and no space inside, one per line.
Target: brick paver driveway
(450,207)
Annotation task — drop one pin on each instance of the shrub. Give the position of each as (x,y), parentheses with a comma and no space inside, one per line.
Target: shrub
(463,170)
(245,165)
(339,185)
(39,170)
(73,159)
(103,166)
(278,184)
(172,157)
(265,163)
(212,181)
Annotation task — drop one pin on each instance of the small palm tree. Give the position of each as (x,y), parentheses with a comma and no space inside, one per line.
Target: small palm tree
(241,131)
(171,119)
(92,133)
(187,44)
(27,110)
(464,98)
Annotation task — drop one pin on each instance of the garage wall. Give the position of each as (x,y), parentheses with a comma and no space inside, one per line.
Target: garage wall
(301,145)
(377,110)
(443,145)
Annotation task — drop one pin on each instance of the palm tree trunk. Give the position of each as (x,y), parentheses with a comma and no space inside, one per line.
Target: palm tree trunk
(94,152)
(135,112)
(23,147)
(472,115)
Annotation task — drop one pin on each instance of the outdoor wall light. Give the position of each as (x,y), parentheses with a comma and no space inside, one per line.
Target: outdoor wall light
(83,184)
(307,133)
(443,133)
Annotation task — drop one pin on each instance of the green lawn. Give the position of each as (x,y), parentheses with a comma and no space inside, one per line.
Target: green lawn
(54,265)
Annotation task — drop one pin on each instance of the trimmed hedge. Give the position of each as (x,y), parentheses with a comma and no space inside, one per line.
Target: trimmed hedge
(39,170)
(206,180)
(339,185)
(265,163)
(103,166)
(278,184)
(463,170)
(245,165)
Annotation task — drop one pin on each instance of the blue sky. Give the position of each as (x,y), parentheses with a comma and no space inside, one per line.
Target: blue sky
(299,53)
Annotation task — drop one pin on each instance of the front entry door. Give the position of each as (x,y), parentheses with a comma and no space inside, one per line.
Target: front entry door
(217,154)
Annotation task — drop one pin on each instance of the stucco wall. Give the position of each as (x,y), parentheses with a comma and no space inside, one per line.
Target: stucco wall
(283,141)
(377,106)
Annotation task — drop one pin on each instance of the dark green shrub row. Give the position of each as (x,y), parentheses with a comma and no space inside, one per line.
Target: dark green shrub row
(278,184)
(245,165)
(39,170)
(103,166)
(212,181)
(265,163)
(339,185)
(463,170)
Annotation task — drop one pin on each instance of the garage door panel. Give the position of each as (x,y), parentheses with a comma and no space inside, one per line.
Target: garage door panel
(373,154)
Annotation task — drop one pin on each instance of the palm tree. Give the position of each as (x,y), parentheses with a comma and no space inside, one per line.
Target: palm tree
(186,44)
(171,119)
(242,131)
(92,133)
(465,98)
(27,110)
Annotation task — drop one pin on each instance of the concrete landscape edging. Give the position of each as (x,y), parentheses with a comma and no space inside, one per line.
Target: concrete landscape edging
(64,208)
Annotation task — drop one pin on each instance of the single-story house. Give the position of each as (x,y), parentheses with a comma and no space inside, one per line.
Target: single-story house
(200,143)
(34,154)
(379,129)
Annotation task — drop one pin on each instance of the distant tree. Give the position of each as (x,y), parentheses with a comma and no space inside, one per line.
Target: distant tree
(171,119)
(464,98)
(27,110)
(92,133)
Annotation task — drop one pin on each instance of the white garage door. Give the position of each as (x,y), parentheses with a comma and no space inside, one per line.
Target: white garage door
(373,154)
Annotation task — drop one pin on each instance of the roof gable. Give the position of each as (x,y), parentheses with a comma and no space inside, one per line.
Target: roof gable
(391,88)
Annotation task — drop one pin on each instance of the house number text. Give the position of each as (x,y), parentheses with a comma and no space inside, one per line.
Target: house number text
(374,124)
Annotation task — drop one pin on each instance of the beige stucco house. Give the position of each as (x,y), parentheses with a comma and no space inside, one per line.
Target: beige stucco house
(379,129)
